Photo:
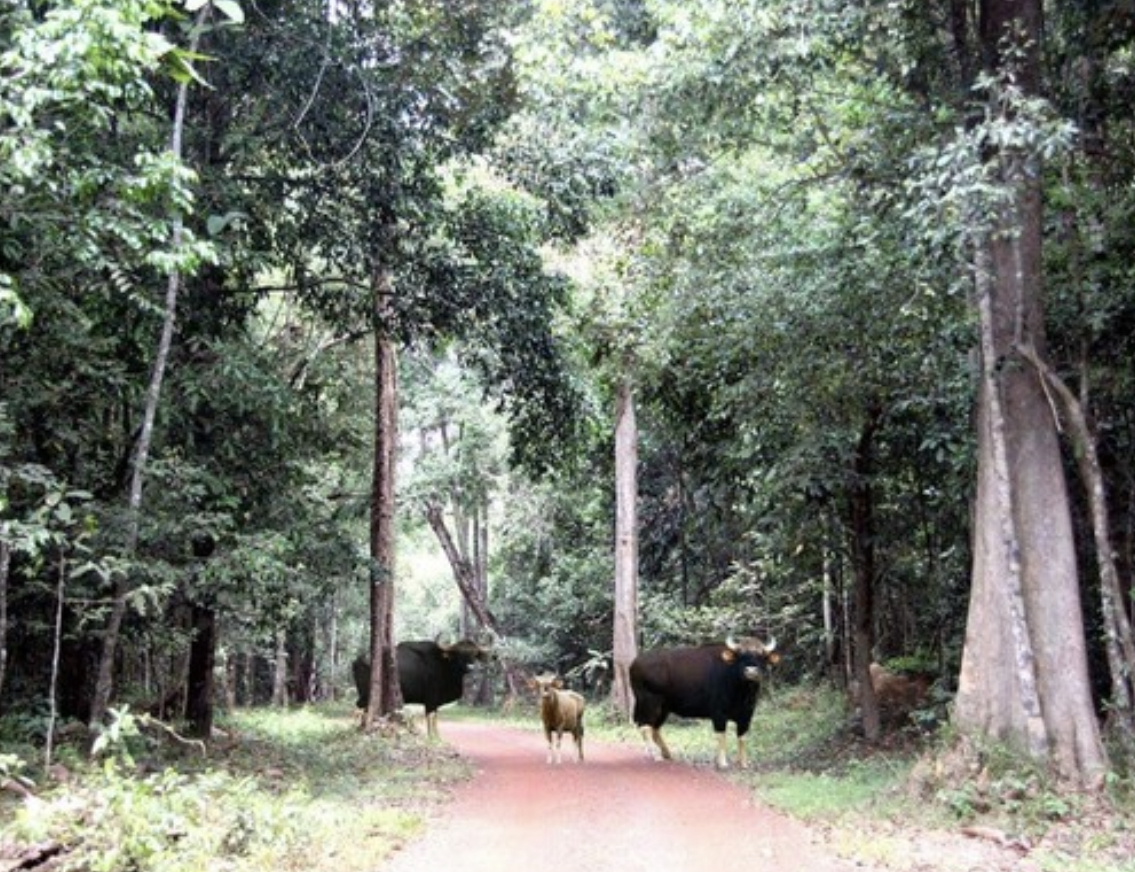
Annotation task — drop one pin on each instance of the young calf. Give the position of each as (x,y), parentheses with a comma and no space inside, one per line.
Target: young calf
(560,710)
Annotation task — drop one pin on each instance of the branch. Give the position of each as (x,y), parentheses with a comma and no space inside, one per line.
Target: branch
(149,721)
(462,572)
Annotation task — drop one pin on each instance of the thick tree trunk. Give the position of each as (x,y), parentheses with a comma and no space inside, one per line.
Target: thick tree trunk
(1024,676)
(626,549)
(385,694)
(1119,642)
(997,688)
(202,659)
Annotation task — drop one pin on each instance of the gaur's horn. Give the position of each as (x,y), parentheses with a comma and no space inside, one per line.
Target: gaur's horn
(730,644)
(770,645)
(440,644)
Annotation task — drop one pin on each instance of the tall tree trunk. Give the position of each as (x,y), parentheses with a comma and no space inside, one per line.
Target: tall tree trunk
(1024,676)
(465,576)
(997,687)
(480,563)
(280,670)
(1119,643)
(463,571)
(5,568)
(862,522)
(57,646)
(332,668)
(202,659)
(385,694)
(626,548)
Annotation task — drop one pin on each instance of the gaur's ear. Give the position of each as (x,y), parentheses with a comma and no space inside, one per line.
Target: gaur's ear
(774,659)
(728,655)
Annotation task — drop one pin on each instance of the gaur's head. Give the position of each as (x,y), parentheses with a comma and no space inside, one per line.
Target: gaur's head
(752,656)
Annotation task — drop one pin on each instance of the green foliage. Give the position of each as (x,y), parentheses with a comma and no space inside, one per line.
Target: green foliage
(554,591)
(74,175)
(1011,787)
(297,790)
(11,767)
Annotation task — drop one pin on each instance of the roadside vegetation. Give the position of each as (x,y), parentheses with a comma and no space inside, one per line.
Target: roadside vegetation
(303,789)
(279,789)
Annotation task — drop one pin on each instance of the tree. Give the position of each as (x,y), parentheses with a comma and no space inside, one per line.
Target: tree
(1024,672)
(625,644)
(376,243)
(104,684)
(459,453)
(74,75)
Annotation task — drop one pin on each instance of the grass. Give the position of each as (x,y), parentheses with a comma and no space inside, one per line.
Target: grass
(281,790)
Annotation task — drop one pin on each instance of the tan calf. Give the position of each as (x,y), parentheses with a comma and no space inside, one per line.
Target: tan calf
(561,711)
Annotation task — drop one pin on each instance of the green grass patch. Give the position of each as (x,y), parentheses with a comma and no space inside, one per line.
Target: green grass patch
(812,796)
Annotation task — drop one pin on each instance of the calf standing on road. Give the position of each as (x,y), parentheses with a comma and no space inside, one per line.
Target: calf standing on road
(560,710)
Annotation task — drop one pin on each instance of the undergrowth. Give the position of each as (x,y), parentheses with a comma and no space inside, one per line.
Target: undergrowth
(278,790)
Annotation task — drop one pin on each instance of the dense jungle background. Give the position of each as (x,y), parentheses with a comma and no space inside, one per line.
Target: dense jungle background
(318,318)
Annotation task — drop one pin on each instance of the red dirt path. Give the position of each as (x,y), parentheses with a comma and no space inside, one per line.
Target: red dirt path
(617,811)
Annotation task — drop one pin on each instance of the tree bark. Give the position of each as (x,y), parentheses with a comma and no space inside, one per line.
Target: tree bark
(385,694)
(1024,676)
(862,521)
(997,687)
(625,641)
(466,578)
(57,646)
(202,659)
(463,572)
(1119,642)
(5,568)
(280,671)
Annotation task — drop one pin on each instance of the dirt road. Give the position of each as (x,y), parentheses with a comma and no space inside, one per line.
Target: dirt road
(617,811)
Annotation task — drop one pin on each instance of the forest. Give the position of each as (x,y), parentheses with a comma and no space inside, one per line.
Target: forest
(579,327)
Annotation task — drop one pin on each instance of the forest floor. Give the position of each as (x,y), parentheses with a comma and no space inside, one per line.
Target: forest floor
(620,811)
(303,790)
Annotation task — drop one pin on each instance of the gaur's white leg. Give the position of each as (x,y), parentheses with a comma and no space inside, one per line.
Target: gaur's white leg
(742,758)
(652,737)
(647,742)
(722,760)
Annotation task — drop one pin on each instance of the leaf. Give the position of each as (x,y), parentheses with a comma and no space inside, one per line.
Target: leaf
(183,72)
(231,9)
(159,45)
